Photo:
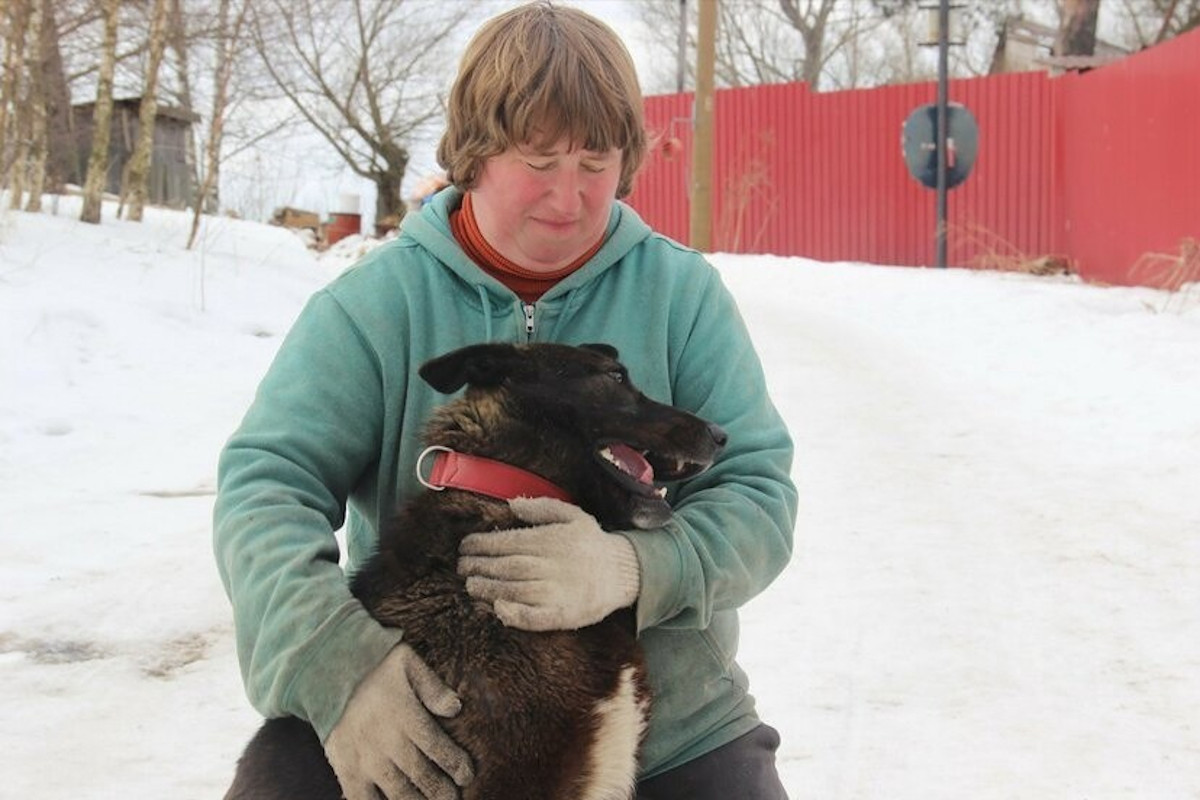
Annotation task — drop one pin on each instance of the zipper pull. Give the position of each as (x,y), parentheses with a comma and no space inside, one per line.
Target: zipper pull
(528,308)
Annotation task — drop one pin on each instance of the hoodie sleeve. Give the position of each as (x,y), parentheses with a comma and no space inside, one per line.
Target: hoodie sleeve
(304,642)
(731,533)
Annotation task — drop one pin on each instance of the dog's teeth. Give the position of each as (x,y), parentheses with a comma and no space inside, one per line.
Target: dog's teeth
(661,491)
(608,456)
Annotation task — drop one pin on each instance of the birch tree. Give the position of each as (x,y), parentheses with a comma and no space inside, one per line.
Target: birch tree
(93,190)
(229,37)
(11,147)
(35,106)
(4,90)
(139,162)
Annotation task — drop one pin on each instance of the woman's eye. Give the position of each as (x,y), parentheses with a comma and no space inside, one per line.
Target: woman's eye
(540,167)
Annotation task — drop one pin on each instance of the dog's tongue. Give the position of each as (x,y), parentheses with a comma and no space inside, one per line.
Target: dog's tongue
(631,462)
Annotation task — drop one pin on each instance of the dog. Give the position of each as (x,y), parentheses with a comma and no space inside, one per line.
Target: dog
(545,716)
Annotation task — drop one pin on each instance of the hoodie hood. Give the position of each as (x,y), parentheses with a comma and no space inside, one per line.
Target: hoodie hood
(430,229)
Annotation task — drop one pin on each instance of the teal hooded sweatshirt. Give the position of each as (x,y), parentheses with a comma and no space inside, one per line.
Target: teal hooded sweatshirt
(334,432)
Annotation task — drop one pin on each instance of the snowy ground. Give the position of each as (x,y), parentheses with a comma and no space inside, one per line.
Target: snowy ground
(996,590)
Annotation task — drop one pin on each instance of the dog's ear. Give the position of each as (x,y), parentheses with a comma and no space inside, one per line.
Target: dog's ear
(476,365)
(603,349)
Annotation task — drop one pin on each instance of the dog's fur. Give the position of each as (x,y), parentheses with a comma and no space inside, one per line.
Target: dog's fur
(545,716)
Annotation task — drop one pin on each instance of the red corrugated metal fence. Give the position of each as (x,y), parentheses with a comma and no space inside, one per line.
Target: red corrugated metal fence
(1101,168)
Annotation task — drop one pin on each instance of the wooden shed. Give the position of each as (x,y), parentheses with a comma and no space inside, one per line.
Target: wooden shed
(170,177)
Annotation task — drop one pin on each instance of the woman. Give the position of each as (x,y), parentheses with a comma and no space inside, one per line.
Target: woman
(530,243)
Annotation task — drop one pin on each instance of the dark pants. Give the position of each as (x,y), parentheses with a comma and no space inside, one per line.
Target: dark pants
(744,769)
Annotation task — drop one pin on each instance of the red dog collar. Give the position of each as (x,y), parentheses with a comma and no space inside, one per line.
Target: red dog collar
(454,470)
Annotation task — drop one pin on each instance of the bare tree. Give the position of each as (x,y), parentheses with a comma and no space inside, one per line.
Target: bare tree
(56,96)
(5,88)
(1178,16)
(1143,23)
(11,140)
(93,190)
(810,18)
(900,56)
(365,74)
(230,26)
(71,45)
(817,41)
(35,107)
(1077,28)
(139,164)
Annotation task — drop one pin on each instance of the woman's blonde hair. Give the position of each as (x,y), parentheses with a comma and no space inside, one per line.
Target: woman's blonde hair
(535,75)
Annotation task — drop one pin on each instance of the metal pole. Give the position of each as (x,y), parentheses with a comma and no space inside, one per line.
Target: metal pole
(942,101)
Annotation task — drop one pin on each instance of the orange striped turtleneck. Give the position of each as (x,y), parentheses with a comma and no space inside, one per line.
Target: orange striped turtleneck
(525,283)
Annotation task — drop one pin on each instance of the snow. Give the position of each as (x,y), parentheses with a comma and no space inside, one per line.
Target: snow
(996,586)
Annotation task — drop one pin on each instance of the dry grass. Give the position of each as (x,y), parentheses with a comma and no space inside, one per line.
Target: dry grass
(749,182)
(988,250)
(1177,274)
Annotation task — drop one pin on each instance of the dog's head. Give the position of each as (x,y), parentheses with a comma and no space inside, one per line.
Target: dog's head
(572,415)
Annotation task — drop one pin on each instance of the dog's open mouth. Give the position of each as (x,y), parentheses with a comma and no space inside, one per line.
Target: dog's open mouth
(637,470)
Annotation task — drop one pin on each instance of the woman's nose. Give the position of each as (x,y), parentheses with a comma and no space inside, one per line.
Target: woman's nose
(567,191)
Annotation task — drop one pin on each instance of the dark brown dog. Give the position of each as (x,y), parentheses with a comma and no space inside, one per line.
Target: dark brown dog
(545,716)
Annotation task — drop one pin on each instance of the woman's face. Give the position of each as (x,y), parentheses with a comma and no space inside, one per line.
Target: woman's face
(543,206)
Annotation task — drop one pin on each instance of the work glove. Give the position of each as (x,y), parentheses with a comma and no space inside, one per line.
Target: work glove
(388,739)
(563,573)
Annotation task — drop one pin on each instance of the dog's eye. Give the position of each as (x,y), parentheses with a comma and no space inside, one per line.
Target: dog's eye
(618,375)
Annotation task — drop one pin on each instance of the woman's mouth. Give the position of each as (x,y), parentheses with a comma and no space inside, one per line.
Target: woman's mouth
(557,225)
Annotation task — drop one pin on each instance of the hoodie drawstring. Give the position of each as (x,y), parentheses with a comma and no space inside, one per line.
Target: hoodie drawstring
(486,302)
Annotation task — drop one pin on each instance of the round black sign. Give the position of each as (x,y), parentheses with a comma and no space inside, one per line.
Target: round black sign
(919,142)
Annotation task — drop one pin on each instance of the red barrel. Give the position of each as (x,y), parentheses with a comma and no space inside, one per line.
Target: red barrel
(342,225)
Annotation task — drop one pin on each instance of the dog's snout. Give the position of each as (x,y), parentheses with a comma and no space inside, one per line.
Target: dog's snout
(718,434)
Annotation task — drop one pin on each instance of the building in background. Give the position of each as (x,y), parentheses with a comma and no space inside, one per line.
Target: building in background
(170,176)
